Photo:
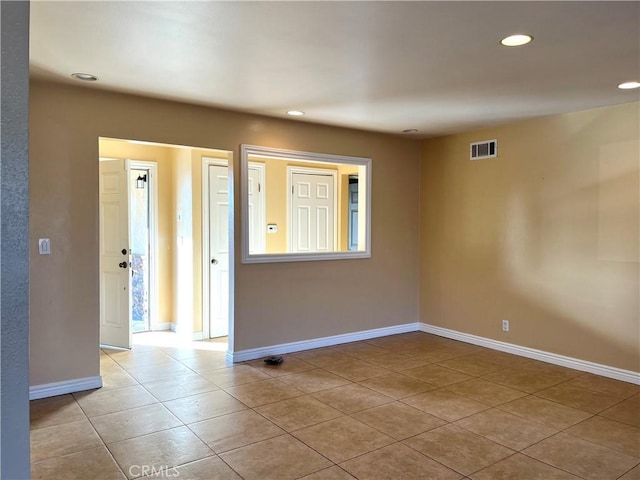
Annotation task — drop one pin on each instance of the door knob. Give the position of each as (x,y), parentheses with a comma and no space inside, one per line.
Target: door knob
(214,261)
(123,264)
(124,251)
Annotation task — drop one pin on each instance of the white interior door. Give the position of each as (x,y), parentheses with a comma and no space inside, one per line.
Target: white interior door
(312,216)
(257,215)
(114,255)
(218,251)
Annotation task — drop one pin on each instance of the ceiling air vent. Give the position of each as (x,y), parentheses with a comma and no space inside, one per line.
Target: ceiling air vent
(484,149)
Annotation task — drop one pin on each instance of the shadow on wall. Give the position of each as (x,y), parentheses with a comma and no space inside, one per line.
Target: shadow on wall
(550,245)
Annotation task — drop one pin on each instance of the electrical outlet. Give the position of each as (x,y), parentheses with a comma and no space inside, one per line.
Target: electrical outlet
(505,325)
(44,246)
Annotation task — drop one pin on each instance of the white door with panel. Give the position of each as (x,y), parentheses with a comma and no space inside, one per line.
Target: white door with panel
(257,213)
(218,251)
(115,275)
(312,211)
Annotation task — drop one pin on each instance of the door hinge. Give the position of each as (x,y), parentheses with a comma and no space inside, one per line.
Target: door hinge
(258,188)
(291,189)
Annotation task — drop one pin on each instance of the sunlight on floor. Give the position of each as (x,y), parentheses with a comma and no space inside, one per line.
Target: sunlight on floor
(172,339)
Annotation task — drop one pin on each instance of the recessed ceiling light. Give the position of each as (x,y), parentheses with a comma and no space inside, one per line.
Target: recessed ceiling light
(516,40)
(295,113)
(410,130)
(85,77)
(629,85)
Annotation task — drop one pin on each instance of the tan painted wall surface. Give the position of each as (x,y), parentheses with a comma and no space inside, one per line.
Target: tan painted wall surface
(276,201)
(546,235)
(161,155)
(274,303)
(184,240)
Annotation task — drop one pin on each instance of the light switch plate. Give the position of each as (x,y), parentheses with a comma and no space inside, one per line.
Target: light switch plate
(44,246)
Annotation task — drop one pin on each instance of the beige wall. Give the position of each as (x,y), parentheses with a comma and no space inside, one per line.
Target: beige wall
(276,204)
(274,303)
(183,261)
(546,235)
(111,148)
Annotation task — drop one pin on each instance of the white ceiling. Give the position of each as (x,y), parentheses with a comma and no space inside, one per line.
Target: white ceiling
(381,66)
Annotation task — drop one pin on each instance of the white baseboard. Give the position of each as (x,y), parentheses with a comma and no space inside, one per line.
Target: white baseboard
(252,354)
(162,327)
(553,358)
(62,388)
(569,362)
(198,336)
(88,383)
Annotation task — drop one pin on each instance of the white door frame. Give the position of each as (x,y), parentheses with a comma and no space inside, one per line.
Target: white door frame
(291,170)
(154,281)
(206,304)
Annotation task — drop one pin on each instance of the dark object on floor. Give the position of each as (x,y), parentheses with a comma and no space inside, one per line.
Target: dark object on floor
(274,360)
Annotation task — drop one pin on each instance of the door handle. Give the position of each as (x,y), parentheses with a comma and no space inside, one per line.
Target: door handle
(214,261)
(123,264)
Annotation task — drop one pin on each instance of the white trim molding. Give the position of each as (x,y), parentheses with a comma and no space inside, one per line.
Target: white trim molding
(252,354)
(548,357)
(554,358)
(67,386)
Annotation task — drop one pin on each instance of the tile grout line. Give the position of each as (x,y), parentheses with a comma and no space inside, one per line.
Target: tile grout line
(415,345)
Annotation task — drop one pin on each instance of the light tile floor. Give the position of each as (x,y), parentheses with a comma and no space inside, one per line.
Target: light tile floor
(411,406)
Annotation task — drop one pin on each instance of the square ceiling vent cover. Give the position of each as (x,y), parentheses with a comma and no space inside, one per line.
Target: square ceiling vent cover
(484,149)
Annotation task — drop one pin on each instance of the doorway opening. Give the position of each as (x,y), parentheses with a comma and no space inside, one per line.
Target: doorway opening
(153,282)
(215,222)
(217,241)
(128,249)
(142,242)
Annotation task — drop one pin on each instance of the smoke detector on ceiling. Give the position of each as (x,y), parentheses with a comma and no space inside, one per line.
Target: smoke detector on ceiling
(484,149)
